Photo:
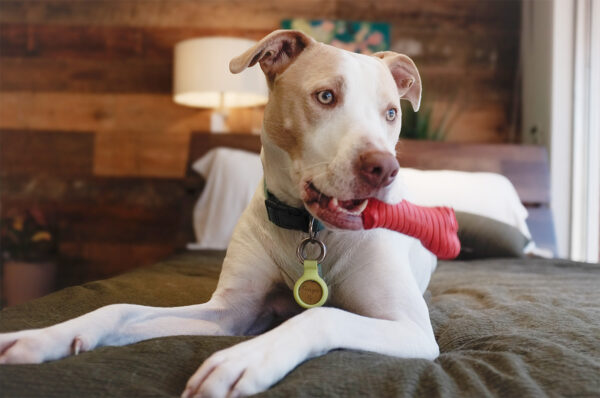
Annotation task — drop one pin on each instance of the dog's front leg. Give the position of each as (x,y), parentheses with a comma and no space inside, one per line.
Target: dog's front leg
(233,309)
(116,324)
(255,365)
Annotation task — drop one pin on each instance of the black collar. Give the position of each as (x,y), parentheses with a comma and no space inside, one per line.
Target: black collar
(288,217)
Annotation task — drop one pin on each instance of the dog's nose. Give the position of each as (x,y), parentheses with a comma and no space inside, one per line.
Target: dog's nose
(378,168)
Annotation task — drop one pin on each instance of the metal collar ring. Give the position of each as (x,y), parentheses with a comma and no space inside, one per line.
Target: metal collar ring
(300,251)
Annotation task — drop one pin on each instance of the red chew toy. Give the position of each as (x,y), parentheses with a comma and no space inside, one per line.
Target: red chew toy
(435,227)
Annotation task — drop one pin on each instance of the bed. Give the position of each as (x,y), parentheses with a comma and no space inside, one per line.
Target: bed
(512,326)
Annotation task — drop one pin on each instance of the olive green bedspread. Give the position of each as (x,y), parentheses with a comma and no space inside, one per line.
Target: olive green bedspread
(514,328)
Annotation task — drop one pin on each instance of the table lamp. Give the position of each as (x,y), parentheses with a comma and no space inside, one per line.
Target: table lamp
(201,78)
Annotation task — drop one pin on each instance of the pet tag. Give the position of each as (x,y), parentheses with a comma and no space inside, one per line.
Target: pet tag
(311,290)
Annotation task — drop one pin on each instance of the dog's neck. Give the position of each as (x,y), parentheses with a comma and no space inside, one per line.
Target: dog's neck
(277,166)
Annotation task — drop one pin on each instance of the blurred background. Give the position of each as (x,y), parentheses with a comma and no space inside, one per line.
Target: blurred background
(93,149)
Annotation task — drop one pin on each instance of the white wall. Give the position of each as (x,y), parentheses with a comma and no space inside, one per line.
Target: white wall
(561,121)
(585,199)
(560,64)
(546,40)
(536,71)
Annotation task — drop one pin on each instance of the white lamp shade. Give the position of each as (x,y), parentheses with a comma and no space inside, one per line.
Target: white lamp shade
(202,77)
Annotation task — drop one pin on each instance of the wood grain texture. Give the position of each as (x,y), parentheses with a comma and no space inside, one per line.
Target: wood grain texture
(86,75)
(34,154)
(172,13)
(98,112)
(136,134)
(129,59)
(201,143)
(105,42)
(98,218)
(105,67)
(472,14)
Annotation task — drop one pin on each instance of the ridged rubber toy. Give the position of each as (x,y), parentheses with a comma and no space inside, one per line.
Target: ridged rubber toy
(435,227)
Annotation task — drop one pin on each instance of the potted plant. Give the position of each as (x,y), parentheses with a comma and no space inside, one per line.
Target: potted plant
(423,125)
(29,249)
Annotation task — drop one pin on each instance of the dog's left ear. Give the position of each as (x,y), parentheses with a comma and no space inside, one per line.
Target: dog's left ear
(405,74)
(275,52)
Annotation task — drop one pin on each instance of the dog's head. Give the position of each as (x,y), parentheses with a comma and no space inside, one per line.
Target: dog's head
(336,117)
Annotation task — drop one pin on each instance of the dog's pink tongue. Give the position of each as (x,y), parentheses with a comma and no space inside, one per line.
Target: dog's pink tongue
(435,227)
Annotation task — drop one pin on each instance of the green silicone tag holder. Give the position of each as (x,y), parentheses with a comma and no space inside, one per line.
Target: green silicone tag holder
(311,290)
(310,287)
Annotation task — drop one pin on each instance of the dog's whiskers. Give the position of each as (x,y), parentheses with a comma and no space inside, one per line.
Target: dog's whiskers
(317,165)
(319,175)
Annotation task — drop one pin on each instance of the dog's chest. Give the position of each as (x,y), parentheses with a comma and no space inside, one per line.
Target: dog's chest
(285,257)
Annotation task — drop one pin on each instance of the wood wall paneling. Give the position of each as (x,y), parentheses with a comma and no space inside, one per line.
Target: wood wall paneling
(32,154)
(256,14)
(105,41)
(95,218)
(132,130)
(108,51)
(86,75)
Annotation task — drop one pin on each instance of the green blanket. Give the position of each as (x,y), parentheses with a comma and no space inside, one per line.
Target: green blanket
(514,328)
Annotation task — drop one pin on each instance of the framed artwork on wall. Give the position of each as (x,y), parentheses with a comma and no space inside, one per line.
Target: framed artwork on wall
(356,36)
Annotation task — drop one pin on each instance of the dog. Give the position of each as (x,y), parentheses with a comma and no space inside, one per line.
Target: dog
(328,144)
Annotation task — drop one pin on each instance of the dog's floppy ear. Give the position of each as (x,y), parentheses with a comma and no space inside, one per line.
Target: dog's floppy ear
(405,74)
(274,53)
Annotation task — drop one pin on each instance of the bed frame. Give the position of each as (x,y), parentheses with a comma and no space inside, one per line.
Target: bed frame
(525,166)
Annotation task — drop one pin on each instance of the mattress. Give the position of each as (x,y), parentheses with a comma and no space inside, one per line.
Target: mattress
(506,327)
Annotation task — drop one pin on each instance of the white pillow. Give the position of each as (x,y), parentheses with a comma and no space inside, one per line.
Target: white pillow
(486,194)
(231,179)
(233,175)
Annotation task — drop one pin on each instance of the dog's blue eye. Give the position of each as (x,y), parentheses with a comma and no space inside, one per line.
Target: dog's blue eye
(390,114)
(325,97)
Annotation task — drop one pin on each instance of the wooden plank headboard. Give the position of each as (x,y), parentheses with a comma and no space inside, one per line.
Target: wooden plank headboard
(524,165)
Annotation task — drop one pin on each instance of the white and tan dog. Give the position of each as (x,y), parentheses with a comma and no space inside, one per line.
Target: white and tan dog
(329,137)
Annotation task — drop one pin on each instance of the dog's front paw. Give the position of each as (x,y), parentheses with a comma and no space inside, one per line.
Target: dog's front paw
(36,346)
(245,369)
(22,347)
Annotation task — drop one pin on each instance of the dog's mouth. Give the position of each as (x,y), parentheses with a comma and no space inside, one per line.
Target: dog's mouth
(343,214)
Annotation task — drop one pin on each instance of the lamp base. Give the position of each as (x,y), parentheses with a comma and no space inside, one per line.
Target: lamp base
(218,122)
